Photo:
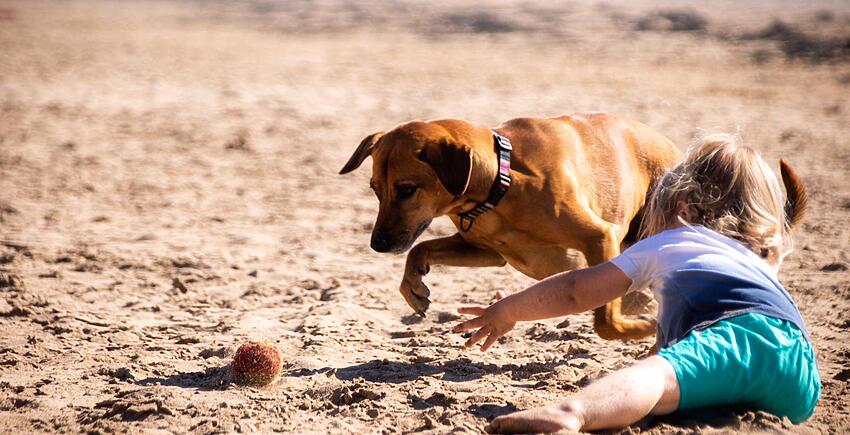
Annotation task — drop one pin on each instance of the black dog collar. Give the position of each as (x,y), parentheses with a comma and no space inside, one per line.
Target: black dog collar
(498,189)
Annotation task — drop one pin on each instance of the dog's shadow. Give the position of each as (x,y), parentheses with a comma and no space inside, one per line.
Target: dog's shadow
(455,370)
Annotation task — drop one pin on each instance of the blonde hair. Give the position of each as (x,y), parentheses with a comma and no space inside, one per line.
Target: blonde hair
(728,188)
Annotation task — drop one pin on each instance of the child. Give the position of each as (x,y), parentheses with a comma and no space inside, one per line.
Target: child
(728,332)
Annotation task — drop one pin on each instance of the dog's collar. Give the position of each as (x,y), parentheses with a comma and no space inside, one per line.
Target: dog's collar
(498,189)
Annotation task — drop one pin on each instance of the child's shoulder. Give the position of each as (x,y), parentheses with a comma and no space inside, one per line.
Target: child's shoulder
(673,236)
(689,234)
(684,242)
(689,242)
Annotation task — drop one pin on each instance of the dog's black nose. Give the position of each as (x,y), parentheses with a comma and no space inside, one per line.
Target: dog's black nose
(379,243)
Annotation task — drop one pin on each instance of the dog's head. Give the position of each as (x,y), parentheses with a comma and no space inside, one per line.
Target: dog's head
(420,170)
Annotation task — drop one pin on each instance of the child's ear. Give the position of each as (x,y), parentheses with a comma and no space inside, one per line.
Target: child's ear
(685,210)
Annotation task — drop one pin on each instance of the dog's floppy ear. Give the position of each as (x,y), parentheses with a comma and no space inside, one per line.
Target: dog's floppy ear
(452,162)
(363,150)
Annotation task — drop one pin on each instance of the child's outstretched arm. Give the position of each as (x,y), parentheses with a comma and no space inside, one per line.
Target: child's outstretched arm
(565,293)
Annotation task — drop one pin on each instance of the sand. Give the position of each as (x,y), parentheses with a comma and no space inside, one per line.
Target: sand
(168,190)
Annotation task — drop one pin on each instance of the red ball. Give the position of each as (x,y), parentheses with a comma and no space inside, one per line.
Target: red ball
(256,363)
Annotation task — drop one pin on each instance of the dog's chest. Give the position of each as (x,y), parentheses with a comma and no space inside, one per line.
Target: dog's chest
(491,231)
(493,241)
(528,254)
(508,242)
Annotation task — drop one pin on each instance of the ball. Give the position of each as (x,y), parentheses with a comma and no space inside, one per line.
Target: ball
(256,363)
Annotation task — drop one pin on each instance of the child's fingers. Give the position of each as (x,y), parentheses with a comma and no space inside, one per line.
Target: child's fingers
(470,324)
(490,340)
(500,295)
(477,336)
(475,311)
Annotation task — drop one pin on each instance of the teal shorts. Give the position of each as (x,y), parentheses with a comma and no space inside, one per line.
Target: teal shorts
(751,361)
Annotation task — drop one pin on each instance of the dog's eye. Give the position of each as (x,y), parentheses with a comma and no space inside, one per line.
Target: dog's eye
(406,191)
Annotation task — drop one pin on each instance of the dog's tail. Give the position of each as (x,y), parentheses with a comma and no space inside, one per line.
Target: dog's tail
(796,200)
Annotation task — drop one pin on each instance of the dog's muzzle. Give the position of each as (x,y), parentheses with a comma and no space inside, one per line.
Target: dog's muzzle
(380,243)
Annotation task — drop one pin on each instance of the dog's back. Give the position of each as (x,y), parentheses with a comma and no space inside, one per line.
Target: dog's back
(616,161)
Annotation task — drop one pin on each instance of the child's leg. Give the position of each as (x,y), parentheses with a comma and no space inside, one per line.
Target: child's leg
(616,400)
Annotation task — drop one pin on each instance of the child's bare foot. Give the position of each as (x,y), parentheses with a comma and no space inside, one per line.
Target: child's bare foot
(544,419)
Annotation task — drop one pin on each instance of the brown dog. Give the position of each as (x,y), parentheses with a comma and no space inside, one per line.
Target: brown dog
(578,183)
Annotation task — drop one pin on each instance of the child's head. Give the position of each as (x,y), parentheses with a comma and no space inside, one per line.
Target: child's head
(727,187)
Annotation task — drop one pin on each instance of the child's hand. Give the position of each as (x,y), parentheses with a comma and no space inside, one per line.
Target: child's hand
(493,322)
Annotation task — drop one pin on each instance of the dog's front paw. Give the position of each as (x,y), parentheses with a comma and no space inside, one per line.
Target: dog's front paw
(416,294)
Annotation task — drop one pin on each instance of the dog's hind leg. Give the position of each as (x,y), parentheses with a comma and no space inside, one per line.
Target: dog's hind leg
(609,323)
(449,251)
(608,320)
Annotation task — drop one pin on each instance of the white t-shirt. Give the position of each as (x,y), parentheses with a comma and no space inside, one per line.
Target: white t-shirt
(700,277)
